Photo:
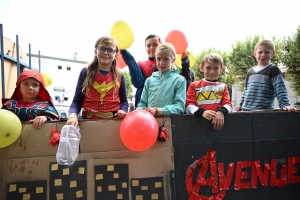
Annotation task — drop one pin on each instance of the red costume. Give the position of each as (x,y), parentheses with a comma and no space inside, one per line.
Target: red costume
(103,97)
(208,95)
(148,67)
(26,111)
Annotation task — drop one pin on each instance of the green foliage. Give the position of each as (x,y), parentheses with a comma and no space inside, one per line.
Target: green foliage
(226,76)
(291,59)
(128,84)
(241,57)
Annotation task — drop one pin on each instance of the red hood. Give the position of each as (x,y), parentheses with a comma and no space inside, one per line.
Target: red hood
(43,95)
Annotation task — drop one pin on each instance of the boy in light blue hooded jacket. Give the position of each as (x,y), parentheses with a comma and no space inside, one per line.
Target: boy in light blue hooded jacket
(164,91)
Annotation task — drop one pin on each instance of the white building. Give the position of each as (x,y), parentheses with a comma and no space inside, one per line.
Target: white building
(64,74)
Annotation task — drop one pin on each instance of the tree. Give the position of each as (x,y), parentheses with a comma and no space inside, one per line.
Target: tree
(226,76)
(241,57)
(291,59)
(128,84)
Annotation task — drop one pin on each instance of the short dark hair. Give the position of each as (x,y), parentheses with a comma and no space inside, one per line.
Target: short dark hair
(152,36)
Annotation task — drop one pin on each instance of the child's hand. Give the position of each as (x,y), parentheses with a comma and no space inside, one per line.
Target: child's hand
(153,111)
(289,109)
(120,114)
(218,122)
(73,121)
(38,121)
(238,109)
(184,55)
(209,114)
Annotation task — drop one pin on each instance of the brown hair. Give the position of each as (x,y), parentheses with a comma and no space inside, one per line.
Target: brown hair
(267,43)
(152,36)
(212,57)
(92,67)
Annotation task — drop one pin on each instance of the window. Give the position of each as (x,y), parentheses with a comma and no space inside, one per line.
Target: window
(68,68)
(59,67)
(66,98)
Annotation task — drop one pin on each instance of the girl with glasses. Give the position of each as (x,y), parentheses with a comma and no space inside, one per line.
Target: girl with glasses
(101,87)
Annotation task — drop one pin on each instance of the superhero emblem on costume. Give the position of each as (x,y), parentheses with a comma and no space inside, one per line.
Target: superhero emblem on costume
(28,111)
(209,95)
(103,88)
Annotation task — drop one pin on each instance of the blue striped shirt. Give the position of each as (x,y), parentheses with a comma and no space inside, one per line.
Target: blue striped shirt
(261,88)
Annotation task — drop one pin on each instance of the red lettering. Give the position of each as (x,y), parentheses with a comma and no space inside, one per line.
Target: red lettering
(257,172)
(205,161)
(291,169)
(209,161)
(224,182)
(239,175)
(275,181)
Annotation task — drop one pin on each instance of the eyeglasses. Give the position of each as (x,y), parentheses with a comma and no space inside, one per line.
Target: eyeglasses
(102,49)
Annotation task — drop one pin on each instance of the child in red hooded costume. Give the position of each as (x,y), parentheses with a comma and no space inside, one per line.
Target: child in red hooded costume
(30,100)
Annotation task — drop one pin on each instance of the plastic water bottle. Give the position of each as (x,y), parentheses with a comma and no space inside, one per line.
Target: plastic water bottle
(68,147)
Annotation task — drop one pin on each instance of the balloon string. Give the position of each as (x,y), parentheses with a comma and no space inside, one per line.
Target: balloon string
(165,122)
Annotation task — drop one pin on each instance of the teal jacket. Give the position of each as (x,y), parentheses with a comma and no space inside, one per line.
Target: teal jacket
(166,91)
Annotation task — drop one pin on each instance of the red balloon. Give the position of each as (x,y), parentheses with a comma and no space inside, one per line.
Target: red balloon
(179,41)
(139,130)
(120,62)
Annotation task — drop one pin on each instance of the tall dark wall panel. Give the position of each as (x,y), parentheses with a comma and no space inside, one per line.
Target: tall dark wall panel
(252,146)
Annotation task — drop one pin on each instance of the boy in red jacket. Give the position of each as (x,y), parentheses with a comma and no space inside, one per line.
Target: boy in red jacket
(208,97)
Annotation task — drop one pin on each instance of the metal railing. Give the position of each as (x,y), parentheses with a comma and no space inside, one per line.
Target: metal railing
(21,65)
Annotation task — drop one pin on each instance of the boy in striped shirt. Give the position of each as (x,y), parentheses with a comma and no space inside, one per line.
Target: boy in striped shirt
(264,82)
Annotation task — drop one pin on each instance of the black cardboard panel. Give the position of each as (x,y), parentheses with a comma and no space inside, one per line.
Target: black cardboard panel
(65,176)
(226,152)
(112,182)
(147,188)
(276,125)
(194,129)
(34,190)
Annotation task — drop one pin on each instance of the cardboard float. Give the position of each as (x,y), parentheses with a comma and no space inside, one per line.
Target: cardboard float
(256,155)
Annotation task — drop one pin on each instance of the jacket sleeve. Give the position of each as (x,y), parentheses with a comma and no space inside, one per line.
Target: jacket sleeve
(179,98)
(79,95)
(143,104)
(51,114)
(136,73)
(225,101)
(186,73)
(123,95)
(190,105)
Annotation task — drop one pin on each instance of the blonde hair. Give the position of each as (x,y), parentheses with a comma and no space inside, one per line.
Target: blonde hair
(212,57)
(267,43)
(169,47)
(92,68)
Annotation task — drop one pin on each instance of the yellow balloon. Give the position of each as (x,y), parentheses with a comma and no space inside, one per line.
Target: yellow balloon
(191,57)
(122,32)
(11,128)
(178,61)
(47,79)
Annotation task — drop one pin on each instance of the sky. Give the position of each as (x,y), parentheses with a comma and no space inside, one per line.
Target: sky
(58,28)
